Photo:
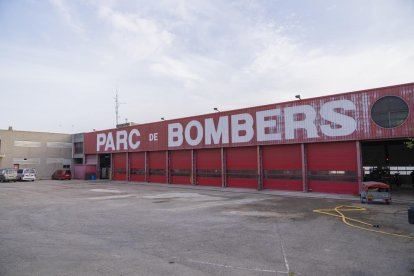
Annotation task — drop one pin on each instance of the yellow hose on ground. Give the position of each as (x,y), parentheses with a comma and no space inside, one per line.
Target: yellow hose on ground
(345,219)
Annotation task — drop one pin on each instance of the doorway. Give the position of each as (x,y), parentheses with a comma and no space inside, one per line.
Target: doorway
(390,162)
(105,166)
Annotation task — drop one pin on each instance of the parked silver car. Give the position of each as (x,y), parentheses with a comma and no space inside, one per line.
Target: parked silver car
(8,175)
(26,174)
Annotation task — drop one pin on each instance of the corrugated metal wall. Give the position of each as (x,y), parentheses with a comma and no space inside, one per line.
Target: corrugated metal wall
(308,145)
(119,171)
(332,167)
(282,167)
(208,167)
(137,166)
(180,167)
(157,167)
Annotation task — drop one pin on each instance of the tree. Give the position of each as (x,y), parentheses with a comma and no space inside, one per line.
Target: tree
(410,143)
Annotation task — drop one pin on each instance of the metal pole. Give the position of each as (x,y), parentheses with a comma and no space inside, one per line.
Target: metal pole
(359,164)
(146,170)
(223,168)
(304,168)
(127,177)
(193,168)
(259,168)
(167,165)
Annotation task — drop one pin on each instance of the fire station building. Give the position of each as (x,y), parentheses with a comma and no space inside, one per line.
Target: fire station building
(325,144)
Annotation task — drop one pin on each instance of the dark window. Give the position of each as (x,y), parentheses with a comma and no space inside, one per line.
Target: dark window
(79,148)
(389,112)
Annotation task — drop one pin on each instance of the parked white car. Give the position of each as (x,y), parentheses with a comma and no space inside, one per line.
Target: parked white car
(7,175)
(26,174)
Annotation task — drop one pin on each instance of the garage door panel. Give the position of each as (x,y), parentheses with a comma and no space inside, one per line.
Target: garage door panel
(242,167)
(119,166)
(137,166)
(334,187)
(282,167)
(332,156)
(332,167)
(180,167)
(208,167)
(289,185)
(157,167)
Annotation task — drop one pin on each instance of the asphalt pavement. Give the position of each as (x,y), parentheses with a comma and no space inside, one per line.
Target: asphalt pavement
(115,228)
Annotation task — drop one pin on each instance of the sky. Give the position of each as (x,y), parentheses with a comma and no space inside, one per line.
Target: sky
(61,62)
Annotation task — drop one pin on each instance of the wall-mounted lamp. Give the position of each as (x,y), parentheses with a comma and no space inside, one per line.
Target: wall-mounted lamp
(162,119)
(216,109)
(298,97)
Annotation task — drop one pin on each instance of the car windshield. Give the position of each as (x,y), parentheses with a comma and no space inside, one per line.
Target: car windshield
(30,171)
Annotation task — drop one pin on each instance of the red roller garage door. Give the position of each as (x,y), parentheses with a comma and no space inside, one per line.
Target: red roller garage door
(208,167)
(242,167)
(137,166)
(180,167)
(119,166)
(332,167)
(282,167)
(157,166)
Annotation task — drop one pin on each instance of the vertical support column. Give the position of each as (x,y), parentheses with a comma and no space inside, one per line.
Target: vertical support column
(127,167)
(167,166)
(111,171)
(359,164)
(259,168)
(98,167)
(146,170)
(304,168)
(193,168)
(223,168)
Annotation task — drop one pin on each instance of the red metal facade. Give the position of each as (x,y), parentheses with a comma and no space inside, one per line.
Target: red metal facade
(180,167)
(341,117)
(137,166)
(119,171)
(208,167)
(306,145)
(241,167)
(332,167)
(282,167)
(157,167)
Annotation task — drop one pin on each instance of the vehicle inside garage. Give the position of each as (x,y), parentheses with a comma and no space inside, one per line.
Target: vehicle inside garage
(391,162)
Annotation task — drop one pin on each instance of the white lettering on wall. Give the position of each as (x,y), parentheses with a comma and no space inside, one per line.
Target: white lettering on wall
(308,122)
(121,139)
(347,124)
(241,128)
(132,144)
(175,135)
(100,141)
(199,133)
(265,121)
(110,145)
(222,131)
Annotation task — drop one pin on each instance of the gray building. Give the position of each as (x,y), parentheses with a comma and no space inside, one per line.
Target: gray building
(45,152)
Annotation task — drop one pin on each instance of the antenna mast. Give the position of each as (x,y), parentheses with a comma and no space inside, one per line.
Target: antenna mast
(117,104)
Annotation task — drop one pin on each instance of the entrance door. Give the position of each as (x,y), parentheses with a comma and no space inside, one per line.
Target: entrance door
(104,166)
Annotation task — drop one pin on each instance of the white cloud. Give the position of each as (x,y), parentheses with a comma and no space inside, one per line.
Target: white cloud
(179,58)
(67,14)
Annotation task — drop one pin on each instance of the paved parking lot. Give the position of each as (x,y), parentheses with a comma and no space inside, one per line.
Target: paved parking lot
(108,228)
